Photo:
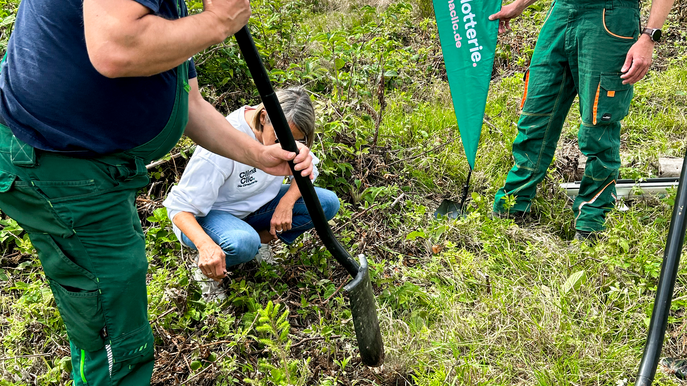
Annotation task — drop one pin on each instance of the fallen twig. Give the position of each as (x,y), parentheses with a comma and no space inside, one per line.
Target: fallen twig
(209,53)
(219,357)
(399,198)
(314,338)
(26,356)
(216,343)
(162,161)
(202,371)
(435,148)
(332,295)
(355,216)
(164,314)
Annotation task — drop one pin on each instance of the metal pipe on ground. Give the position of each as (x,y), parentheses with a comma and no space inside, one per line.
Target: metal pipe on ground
(630,188)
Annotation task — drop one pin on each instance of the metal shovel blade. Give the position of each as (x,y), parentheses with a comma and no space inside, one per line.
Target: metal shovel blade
(450,209)
(365,320)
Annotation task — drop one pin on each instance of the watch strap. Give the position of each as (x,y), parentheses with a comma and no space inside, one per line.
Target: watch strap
(652,32)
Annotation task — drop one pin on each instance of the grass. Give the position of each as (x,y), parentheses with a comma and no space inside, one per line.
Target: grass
(478,301)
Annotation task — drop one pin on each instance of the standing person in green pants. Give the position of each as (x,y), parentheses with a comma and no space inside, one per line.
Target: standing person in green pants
(90,92)
(595,49)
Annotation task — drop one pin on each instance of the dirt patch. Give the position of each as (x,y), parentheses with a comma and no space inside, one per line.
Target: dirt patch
(568,162)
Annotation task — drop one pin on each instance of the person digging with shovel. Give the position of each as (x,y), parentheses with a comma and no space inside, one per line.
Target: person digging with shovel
(90,92)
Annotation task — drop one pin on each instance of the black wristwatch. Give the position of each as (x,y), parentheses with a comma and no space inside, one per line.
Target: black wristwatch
(654,34)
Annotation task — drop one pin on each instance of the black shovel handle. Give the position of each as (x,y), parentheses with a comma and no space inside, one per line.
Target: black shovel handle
(281,128)
(363,308)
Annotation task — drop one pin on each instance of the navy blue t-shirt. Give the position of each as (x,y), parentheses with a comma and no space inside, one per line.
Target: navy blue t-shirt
(52,97)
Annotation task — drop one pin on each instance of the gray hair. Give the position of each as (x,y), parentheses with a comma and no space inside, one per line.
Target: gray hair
(298,111)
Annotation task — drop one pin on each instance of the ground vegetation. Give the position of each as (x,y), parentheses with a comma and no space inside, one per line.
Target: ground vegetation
(477,301)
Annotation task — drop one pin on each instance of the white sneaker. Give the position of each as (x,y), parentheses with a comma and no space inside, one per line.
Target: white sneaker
(265,254)
(210,290)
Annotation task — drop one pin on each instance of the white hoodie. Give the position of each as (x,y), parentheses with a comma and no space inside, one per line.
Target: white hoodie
(212,182)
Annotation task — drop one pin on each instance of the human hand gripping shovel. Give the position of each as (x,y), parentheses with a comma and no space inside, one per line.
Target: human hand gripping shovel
(359,290)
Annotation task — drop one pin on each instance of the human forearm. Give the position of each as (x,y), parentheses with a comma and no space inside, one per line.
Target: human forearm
(208,128)
(282,218)
(639,58)
(211,260)
(188,225)
(523,4)
(152,45)
(659,13)
(509,12)
(125,39)
(291,196)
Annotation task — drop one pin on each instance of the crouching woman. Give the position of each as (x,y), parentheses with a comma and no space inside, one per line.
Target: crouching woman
(225,209)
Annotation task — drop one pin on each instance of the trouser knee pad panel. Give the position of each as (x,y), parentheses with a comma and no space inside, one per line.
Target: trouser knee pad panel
(131,351)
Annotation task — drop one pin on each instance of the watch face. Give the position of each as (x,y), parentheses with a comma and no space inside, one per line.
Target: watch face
(656,36)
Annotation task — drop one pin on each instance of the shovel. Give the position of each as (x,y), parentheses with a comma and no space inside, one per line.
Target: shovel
(359,290)
(451,209)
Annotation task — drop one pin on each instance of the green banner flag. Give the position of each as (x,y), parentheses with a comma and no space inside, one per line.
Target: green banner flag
(468,42)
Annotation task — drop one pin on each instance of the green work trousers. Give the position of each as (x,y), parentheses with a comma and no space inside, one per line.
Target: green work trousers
(580,51)
(81,217)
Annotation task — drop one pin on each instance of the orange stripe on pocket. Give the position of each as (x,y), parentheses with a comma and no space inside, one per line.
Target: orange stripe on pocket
(603,20)
(596,103)
(527,82)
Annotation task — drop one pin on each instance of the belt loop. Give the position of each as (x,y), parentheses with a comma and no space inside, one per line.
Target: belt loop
(141,169)
(122,172)
(609,4)
(22,154)
(129,172)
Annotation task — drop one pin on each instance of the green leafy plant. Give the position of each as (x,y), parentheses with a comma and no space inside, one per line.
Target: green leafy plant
(160,239)
(273,332)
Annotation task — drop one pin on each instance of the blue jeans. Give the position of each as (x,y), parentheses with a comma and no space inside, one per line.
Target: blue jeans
(239,238)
